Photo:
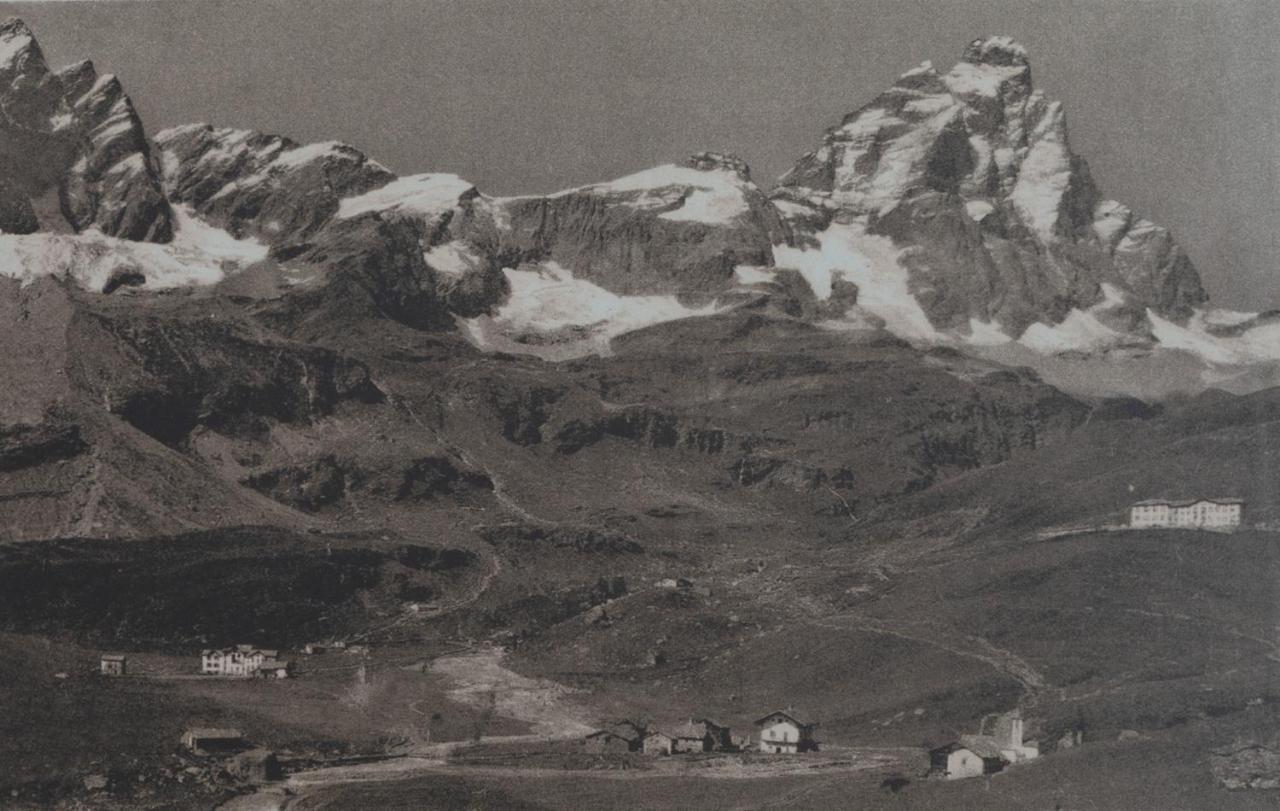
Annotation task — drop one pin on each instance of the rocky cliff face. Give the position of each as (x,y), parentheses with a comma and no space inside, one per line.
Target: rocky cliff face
(73,152)
(993,223)
(267,186)
(671,229)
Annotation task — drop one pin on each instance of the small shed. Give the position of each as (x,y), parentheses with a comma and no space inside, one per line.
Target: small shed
(113,664)
(313,649)
(205,740)
(604,742)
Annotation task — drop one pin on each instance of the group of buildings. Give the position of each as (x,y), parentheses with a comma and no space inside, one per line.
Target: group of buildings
(1195,513)
(998,744)
(244,661)
(779,732)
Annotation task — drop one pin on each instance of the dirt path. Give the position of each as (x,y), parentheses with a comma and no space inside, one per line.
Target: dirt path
(943,638)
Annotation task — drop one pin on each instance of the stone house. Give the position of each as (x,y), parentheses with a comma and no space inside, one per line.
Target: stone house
(606,742)
(113,664)
(656,743)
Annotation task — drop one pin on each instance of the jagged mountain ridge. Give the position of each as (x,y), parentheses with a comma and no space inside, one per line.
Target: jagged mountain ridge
(949,209)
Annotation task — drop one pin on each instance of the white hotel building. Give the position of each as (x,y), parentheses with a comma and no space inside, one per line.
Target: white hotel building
(1203,513)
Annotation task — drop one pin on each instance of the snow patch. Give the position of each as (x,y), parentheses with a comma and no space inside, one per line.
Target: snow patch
(426,194)
(199,254)
(753,274)
(548,298)
(1261,343)
(714,196)
(986,333)
(1079,331)
(847,251)
(452,258)
(13,45)
(978,209)
(1044,177)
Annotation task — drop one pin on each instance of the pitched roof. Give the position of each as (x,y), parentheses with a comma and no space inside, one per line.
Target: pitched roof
(113,657)
(1157,502)
(274,664)
(224,733)
(983,746)
(689,730)
(786,715)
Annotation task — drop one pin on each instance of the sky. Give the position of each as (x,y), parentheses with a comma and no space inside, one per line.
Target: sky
(1174,103)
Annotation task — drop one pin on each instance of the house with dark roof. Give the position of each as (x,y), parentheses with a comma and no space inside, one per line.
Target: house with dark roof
(958,760)
(605,741)
(782,733)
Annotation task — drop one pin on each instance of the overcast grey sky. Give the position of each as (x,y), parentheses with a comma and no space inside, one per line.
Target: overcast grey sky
(1175,104)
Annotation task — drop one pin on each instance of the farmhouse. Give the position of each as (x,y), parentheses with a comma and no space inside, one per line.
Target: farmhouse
(1200,513)
(242,660)
(604,741)
(113,664)
(781,733)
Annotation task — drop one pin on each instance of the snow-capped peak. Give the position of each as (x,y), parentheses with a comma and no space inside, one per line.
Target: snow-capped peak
(15,40)
(996,50)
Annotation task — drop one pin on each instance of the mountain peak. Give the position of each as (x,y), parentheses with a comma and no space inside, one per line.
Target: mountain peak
(1002,51)
(16,40)
(709,161)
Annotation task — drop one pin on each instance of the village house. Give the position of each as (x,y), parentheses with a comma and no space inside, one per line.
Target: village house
(1201,513)
(606,742)
(690,737)
(656,743)
(782,734)
(208,740)
(956,761)
(241,660)
(113,664)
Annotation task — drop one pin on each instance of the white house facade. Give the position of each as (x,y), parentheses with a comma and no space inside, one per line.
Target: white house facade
(780,733)
(242,660)
(1204,513)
